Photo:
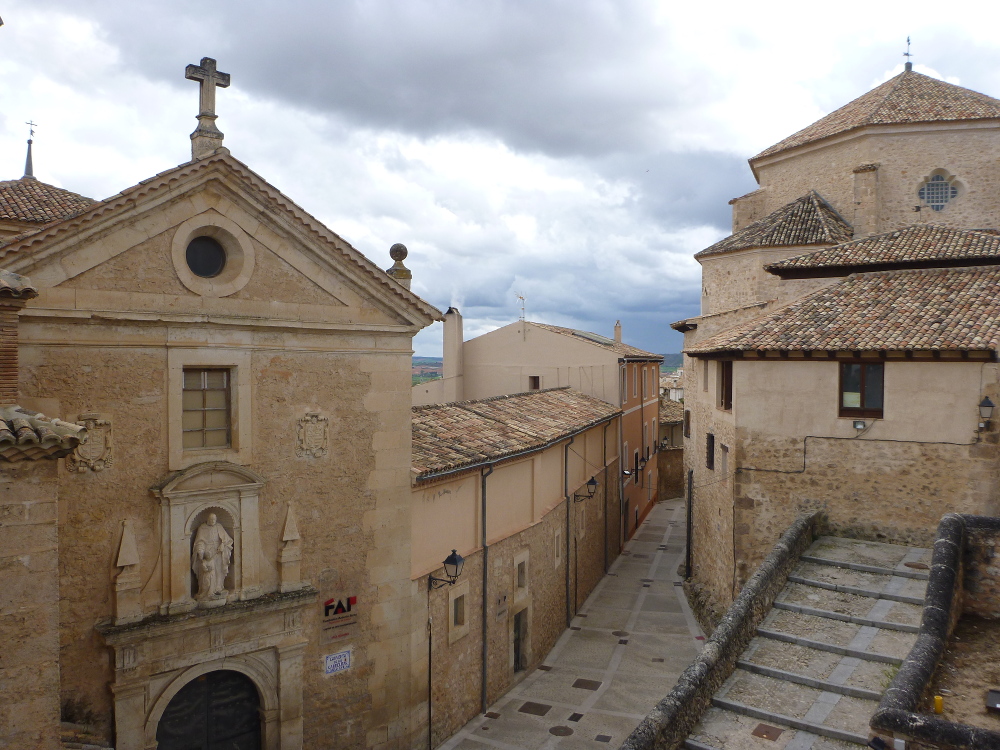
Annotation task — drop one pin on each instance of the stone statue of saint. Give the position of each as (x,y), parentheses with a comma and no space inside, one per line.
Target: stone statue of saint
(213,550)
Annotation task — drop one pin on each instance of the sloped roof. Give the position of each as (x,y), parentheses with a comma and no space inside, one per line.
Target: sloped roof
(32,201)
(25,245)
(913,246)
(465,434)
(671,412)
(617,347)
(28,435)
(909,97)
(922,309)
(808,220)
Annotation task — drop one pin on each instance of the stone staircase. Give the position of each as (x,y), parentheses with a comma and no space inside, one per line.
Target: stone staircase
(812,677)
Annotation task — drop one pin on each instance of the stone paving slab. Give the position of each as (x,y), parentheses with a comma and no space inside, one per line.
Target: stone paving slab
(867,553)
(861,580)
(662,641)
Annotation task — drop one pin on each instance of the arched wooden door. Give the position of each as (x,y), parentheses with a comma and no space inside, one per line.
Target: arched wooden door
(214,711)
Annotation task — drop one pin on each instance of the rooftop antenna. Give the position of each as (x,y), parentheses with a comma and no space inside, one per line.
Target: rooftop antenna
(521,298)
(29,172)
(908,55)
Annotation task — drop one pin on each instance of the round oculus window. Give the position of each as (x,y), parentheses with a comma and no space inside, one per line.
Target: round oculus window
(206,257)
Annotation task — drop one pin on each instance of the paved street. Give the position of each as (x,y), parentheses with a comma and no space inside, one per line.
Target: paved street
(630,641)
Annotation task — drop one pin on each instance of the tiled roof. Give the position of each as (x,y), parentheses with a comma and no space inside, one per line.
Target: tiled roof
(808,220)
(28,435)
(909,97)
(671,412)
(603,341)
(920,244)
(923,309)
(449,437)
(15,285)
(32,201)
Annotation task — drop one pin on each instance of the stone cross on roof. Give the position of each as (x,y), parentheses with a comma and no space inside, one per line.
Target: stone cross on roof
(206,138)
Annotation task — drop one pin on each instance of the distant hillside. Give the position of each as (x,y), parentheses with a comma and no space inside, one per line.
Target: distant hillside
(672,361)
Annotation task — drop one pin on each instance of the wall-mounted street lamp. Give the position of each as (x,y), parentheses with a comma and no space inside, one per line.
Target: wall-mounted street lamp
(642,463)
(453,565)
(985,412)
(591,486)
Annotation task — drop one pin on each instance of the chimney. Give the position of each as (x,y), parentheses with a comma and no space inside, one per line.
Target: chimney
(453,366)
(15,291)
(618,331)
(399,272)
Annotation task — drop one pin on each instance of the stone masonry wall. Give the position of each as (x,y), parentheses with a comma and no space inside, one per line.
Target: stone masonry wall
(457,664)
(982,571)
(671,471)
(29,606)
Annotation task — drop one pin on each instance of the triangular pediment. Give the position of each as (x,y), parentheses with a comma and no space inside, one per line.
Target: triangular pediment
(280,263)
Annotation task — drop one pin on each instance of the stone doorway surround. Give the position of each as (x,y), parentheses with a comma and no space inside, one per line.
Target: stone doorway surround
(262,639)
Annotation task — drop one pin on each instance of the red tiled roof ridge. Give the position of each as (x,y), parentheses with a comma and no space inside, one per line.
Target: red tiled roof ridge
(310,223)
(458,436)
(933,309)
(807,220)
(31,201)
(905,98)
(914,244)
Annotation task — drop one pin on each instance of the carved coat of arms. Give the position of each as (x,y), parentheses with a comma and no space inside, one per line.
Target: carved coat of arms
(95,454)
(313,435)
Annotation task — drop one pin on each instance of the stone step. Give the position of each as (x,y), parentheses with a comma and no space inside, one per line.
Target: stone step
(857,591)
(906,573)
(775,718)
(720,729)
(851,604)
(832,648)
(801,679)
(875,554)
(864,639)
(830,614)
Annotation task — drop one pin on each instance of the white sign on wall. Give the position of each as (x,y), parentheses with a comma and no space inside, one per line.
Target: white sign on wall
(338,662)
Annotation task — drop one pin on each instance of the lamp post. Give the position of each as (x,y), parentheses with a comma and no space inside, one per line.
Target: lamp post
(453,565)
(591,486)
(985,412)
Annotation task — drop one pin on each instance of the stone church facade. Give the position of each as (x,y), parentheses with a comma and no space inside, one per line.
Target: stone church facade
(243,375)
(847,336)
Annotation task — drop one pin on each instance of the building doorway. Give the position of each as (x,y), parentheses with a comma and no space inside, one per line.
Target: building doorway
(521,641)
(214,711)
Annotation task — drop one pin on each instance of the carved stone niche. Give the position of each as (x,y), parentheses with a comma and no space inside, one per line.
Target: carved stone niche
(187,499)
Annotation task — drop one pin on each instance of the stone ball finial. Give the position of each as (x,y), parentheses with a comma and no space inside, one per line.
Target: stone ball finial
(398,252)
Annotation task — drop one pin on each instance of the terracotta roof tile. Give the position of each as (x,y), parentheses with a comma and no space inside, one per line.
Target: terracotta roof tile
(909,97)
(924,309)
(671,412)
(808,220)
(921,244)
(449,437)
(603,341)
(28,435)
(14,285)
(32,201)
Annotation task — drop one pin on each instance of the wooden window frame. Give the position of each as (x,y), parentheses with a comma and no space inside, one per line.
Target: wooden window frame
(227,389)
(725,401)
(862,412)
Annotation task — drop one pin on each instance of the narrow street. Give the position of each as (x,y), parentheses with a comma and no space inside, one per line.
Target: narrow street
(631,639)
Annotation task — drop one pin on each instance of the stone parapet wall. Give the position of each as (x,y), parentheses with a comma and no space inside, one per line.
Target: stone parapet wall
(963,544)
(668,725)
(981,580)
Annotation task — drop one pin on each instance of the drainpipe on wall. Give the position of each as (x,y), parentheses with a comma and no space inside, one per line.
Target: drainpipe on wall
(569,504)
(486,576)
(604,458)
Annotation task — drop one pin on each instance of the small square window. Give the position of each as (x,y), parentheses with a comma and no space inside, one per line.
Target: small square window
(522,574)
(861,389)
(725,400)
(458,611)
(206,413)
(710,451)
(534,382)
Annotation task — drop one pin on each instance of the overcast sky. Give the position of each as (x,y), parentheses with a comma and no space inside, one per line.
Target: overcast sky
(574,152)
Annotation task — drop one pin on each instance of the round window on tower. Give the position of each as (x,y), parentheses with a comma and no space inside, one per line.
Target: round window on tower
(205,257)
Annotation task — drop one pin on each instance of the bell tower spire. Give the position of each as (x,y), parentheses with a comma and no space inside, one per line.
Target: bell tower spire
(29,170)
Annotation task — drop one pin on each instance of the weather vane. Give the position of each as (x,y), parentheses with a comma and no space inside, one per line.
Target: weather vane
(31,128)
(908,55)
(521,298)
